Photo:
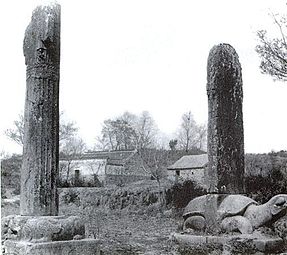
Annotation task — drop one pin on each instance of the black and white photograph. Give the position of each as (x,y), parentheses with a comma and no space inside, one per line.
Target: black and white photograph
(154,127)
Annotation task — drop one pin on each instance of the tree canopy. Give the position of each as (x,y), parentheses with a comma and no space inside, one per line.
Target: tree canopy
(128,131)
(273,50)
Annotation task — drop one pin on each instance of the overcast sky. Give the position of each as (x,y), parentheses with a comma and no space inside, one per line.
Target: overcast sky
(149,55)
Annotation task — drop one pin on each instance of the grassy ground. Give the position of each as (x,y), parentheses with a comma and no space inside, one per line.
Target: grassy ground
(129,232)
(136,229)
(122,232)
(126,231)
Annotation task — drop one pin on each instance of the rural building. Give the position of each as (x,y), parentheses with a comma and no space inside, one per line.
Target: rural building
(102,167)
(189,167)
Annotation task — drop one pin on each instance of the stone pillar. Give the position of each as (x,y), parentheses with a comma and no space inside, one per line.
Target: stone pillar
(38,230)
(39,171)
(225,130)
(225,122)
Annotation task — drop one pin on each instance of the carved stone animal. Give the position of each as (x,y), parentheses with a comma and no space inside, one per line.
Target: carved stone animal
(43,228)
(235,212)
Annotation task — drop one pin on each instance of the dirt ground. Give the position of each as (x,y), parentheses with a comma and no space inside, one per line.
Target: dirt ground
(124,232)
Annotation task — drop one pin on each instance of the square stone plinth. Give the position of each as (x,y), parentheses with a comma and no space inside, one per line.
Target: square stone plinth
(269,244)
(234,243)
(71,247)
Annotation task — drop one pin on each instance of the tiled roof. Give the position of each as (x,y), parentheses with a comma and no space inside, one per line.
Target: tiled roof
(118,156)
(113,155)
(190,162)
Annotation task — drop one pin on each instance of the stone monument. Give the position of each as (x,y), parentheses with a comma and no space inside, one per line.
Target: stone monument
(39,171)
(225,170)
(225,217)
(39,230)
(225,121)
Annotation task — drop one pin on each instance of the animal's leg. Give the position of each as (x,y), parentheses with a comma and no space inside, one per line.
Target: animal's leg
(237,223)
(194,222)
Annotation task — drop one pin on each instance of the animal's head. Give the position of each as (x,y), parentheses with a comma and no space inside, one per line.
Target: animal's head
(278,204)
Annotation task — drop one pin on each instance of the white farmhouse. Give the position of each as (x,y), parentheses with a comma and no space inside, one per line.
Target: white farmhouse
(189,167)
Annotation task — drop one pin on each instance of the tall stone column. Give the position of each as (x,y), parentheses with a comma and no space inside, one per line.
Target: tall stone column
(225,121)
(225,130)
(39,171)
(38,230)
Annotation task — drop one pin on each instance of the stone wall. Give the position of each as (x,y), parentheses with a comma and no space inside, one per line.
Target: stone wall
(124,179)
(139,197)
(134,197)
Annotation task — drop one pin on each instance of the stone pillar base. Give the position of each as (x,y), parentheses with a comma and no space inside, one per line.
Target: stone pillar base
(243,244)
(70,247)
(46,235)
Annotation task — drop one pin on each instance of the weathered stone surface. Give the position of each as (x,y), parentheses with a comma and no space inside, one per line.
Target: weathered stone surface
(39,171)
(270,244)
(233,213)
(42,228)
(211,215)
(280,228)
(234,244)
(75,247)
(225,122)
(269,212)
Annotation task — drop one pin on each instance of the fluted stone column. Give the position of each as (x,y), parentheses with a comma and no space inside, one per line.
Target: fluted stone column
(39,171)
(38,230)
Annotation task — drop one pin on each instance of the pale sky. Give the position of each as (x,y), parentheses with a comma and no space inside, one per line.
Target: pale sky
(120,55)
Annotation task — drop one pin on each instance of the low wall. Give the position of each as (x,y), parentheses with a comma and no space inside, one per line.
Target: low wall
(124,179)
(134,196)
(139,197)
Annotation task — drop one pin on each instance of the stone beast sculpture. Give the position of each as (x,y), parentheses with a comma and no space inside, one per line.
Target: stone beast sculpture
(42,229)
(235,212)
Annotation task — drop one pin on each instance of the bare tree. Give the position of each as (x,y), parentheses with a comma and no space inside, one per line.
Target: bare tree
(187,132)
(71,146)
(71,151)
(128,131)
(108,134)
(201,136)
(17,132)
(102,143)
(146,131)
(153,162)
(66,130)
(117,134)
(273,51)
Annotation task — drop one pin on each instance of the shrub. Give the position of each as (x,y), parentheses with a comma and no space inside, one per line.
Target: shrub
(71,197)
(10,174)
(180,194)
(263,188)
